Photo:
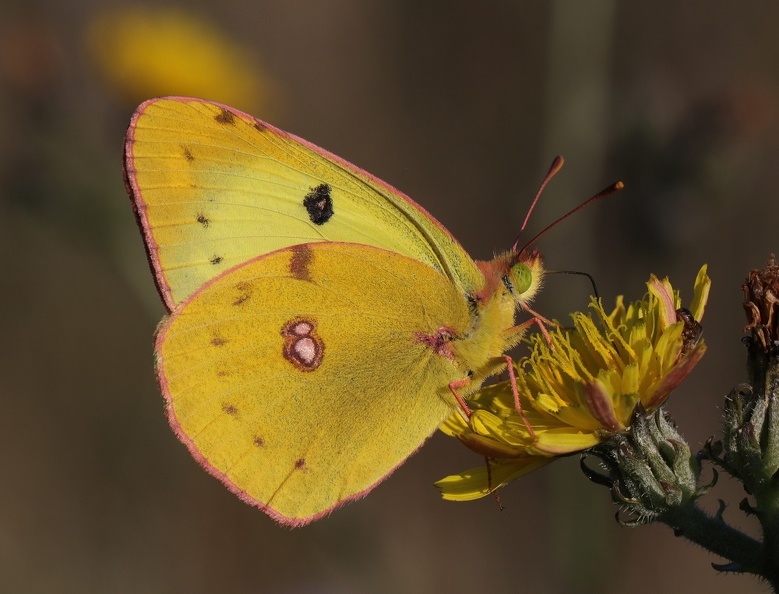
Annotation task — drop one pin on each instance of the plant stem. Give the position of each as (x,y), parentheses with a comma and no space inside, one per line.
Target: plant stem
(712,533)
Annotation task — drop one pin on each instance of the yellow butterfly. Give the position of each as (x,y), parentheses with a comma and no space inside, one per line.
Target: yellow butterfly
(322,324)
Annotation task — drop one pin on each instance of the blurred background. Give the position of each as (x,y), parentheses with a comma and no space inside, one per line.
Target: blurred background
(462,105)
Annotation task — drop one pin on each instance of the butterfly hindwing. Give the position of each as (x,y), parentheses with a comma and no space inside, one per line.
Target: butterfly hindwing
(302,378)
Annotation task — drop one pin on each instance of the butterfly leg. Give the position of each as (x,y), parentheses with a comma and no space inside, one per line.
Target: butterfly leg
(489,484)
(515,333)
(515,390)
(493,367)
(453,387)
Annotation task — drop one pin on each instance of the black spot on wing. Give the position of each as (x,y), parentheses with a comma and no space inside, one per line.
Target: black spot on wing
(319,204)
(203,220)
(216,259)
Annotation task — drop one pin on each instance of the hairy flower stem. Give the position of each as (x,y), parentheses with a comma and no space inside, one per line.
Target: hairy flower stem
(761,420)
(770,569)
(749,450)
(714,534)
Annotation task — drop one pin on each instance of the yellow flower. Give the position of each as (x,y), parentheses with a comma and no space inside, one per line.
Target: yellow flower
(580,386)
(152,52)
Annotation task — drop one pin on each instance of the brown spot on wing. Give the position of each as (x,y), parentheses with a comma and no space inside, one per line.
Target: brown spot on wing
(260,127)
(229,409)
(218,341)
(302,256)
(244,292)
(300,463)
(187,154)
(225,117)
(258,441)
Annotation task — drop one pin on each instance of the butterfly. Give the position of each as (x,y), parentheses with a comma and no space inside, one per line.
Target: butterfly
(322,324)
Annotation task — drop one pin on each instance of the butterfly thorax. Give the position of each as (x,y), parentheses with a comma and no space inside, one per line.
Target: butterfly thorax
(511,281)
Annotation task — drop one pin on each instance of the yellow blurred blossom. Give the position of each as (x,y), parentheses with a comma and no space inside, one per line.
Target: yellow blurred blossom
(580,386)
(152,52)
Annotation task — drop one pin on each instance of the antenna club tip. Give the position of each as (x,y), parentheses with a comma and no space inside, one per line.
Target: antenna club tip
(619,186)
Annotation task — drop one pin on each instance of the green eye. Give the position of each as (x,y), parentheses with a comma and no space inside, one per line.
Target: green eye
(521,277)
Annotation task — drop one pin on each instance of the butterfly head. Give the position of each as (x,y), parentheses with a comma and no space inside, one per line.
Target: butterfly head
(512,276)
(524,276)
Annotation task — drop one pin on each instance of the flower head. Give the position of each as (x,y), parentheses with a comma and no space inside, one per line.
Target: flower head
(761,298)
(579,386)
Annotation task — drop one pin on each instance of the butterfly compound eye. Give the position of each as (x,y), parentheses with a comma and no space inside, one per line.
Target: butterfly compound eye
(521,277)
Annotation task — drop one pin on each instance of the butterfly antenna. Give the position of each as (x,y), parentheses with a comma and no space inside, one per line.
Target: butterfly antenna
(579,273)
(554,168)
(612,189)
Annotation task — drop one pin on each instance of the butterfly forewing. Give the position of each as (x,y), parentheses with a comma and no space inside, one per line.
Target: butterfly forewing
(214,187)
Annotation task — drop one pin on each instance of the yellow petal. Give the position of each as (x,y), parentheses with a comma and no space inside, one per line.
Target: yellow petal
(600,405)
(701,296)
(565,441)
(663,292)
(476,482)
(454,425)
(669,347)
